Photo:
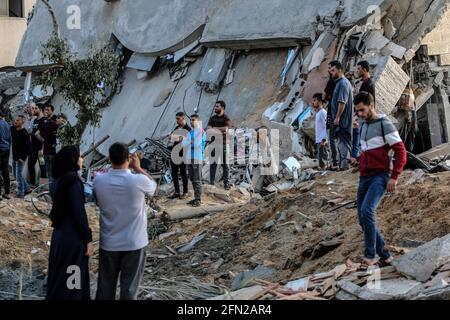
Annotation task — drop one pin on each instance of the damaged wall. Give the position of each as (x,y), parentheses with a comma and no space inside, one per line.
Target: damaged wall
(160,27)
(133,115)
(148,101)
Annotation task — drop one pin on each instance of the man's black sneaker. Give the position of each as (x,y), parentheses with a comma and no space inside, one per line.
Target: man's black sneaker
(196,203)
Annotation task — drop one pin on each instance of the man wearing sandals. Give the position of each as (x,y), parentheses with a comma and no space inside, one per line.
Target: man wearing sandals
(379,172)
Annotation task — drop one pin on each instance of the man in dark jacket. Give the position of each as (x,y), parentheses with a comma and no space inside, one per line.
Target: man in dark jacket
(178,167)
(5,146)
(379,173)
(21,146)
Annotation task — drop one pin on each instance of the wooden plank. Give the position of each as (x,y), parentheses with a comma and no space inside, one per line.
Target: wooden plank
(339,271)
(264,292)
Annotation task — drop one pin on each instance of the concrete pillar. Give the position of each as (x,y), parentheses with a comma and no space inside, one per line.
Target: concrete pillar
(445,104)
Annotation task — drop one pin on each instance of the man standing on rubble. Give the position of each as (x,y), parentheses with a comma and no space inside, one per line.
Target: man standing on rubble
(120,196)
(367,85)
(329,91)
(46,134)
(320,130)
(181,130)
(194,149)
(220,122)
(5,146)
(36,145)
(20,150)
(342,113)
(378,173)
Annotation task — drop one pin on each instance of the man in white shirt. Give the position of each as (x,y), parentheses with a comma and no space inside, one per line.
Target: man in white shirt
(321,130)
(120,195)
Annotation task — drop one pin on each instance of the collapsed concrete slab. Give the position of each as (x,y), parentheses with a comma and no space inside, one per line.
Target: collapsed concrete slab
(390,82)
(393,289)
(424,260)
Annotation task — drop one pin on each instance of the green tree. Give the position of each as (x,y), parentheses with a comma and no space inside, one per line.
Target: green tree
(81,82)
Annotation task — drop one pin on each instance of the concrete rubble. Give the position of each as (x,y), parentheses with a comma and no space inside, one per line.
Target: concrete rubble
(267,68)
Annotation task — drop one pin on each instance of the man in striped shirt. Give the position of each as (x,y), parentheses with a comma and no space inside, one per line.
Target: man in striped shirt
(383,156)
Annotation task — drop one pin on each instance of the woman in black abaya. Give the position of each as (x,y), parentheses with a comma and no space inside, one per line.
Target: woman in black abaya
(71,244)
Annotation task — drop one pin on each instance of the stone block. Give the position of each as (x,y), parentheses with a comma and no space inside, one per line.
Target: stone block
(421,262)
(390,82)
(393,289)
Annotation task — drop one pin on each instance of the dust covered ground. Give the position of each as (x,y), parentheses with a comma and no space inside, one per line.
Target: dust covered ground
(241,238)
(418,212)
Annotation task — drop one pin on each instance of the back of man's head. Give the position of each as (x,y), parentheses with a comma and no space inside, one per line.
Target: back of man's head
(118,153)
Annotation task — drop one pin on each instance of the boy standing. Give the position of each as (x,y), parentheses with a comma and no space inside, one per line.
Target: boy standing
(321,130)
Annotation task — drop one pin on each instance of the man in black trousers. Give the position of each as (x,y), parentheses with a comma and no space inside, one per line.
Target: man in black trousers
(177,135)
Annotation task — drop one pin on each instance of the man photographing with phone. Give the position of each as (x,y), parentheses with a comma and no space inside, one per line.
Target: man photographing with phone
(379,172)
(120,195)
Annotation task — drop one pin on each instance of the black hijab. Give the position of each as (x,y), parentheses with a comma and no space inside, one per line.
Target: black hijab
(65,167)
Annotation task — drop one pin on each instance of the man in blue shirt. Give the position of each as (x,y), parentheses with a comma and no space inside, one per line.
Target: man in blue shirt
(342,111)
(5,146)
(194,149)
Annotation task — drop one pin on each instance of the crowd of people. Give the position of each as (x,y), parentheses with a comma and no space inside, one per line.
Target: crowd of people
(29,137)
(347,125)
(356,134)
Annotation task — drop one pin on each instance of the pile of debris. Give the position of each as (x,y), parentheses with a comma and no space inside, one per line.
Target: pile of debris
(309,229)
(422,273)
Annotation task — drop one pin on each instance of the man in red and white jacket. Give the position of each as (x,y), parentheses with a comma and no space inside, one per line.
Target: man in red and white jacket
(383,156)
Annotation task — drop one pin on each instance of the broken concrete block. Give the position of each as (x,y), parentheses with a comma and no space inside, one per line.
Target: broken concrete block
(242,294)
(282,216)
(435,294)
(393,289)
(390,82)
(216,265)
(423,97)
(324,247)
(394,50)
(316,55)
(421,262)
(350,291)
(269,224)
(245,278)
(298,285)
(376,40)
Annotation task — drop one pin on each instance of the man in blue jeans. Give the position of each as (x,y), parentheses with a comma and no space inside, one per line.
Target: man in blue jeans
(5,146)
(21,144)
(379,172)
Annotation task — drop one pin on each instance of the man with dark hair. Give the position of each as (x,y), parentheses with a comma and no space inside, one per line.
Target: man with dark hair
(120,196)
(46,134)
(329,91)
(342,113)
(378,173)
(367,85)
(5,146)
(176,137)
(194,149)
(36,145)
(320,130)
(220,123)
(21,144)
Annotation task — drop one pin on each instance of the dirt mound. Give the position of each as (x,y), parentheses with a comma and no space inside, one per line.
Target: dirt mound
(296,233)
(25,235)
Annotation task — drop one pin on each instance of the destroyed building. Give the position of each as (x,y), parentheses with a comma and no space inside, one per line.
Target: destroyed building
(264,58)
(13,24)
